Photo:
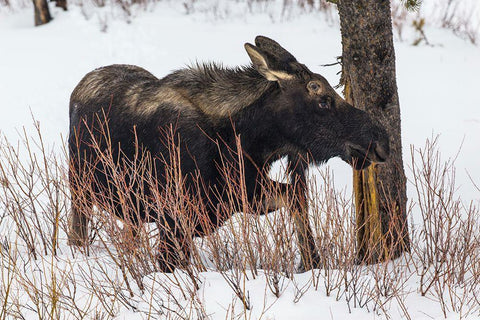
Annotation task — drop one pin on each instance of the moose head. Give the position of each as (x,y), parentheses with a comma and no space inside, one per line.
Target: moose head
(311,115)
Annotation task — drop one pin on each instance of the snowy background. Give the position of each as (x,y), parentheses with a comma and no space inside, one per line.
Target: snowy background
(438,87)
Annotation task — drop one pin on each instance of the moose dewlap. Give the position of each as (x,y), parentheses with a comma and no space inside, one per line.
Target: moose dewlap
(136,141)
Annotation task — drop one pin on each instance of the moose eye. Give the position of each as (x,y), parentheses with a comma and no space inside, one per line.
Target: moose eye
(313,86)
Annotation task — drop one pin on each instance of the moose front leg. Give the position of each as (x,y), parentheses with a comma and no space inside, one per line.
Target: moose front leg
(299,211)
(276,195)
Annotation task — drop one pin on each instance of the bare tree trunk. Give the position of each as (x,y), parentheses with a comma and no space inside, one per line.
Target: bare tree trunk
(42,13)
(369,78)
(61,4)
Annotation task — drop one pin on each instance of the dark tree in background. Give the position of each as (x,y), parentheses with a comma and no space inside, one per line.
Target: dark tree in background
(42,13)
(369,79)
(60,4)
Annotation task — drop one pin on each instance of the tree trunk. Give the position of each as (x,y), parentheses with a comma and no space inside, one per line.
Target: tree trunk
(61,4)
(368,75)
(42,13)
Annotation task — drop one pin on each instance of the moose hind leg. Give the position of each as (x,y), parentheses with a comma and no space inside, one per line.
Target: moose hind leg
(173,252)
(78,226)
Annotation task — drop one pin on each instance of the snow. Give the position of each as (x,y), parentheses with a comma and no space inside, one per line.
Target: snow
(39,67)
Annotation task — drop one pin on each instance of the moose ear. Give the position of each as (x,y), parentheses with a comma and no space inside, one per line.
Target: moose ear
(261,64)
(273,48)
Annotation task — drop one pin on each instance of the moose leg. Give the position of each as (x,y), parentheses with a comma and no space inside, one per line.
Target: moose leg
(166,257)
(308,251)
(78,225)
(81,203)
(173,253)
(173,247)
(276,196)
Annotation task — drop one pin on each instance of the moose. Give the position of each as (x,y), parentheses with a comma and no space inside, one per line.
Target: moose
(273,108)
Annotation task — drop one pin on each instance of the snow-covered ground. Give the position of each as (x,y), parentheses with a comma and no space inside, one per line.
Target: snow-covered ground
(438,88)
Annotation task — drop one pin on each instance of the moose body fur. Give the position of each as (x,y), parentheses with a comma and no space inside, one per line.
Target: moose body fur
(276,107)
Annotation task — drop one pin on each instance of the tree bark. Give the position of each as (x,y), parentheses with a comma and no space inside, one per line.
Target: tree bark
(42,13)
(368,60)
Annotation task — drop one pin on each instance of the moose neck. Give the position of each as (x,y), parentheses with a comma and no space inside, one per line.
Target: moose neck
(259,130)
(235,100)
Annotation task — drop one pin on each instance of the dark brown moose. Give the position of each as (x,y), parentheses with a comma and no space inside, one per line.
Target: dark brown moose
(212,115)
